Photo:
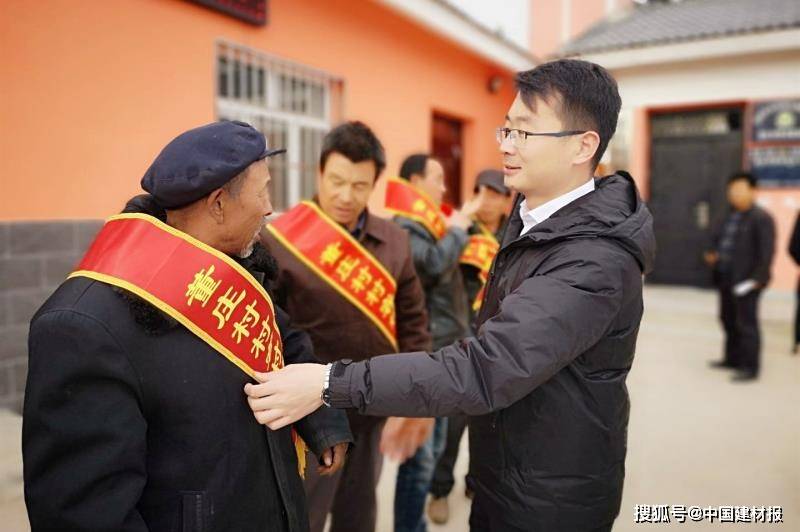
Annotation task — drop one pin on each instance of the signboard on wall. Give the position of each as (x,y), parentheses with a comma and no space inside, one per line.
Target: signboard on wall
(776,165)
(776,121)
(774,147)
(250,11)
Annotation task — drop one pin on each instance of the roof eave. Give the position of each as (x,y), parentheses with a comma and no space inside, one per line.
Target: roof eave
(444,20)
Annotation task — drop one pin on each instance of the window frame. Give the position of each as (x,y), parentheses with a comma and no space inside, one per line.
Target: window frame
(259,110)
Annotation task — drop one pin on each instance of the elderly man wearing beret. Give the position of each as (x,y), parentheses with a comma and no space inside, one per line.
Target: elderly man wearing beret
(134,418)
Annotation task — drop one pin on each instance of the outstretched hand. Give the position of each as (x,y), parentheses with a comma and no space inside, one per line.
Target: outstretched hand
(286,395)
(401,436)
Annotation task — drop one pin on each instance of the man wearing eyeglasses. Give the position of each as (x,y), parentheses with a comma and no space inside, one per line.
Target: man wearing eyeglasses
(543,380)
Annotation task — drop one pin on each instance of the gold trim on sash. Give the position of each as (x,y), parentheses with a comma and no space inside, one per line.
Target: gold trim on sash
(337,258)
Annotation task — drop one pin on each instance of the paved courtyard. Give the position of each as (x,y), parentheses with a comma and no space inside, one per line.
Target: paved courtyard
(695,438)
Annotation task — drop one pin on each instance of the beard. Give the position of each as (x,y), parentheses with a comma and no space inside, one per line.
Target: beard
(246,252)
(248,249)
(260,259)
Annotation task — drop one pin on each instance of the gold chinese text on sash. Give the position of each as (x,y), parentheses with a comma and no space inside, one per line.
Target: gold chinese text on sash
(404,199)
(203,289)
(479,253)
(341,261)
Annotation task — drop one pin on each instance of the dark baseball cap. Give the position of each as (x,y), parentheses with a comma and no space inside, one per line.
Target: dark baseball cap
(493,179)
(203,159)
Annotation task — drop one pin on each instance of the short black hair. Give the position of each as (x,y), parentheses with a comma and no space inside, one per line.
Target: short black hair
(414,164)
(356,141)
(747,176)
(587,96)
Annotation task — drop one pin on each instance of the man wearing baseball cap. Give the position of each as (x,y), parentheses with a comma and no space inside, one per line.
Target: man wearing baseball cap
(134,418)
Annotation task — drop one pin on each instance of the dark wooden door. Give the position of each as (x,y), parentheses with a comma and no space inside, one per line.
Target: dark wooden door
(689,172)
(448,149)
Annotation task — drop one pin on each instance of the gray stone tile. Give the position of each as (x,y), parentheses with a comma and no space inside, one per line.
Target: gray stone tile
(19,272)
(6,389)
(5,239)
(4,312)
(41,238)
(13,342)
(56,269)
(23,304)
(86,230)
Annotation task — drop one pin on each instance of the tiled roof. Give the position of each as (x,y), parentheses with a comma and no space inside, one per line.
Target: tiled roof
(687,20)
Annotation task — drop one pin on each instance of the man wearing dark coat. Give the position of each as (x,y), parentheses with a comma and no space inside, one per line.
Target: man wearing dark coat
(794,252)
(741,259)
(436,259)
(350,163)
(131,421)
(543,380)
(489,220)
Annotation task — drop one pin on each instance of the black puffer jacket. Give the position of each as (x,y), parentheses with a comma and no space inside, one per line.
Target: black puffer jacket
(544,380)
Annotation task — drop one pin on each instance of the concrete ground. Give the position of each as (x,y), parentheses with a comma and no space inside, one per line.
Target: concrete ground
(695,439)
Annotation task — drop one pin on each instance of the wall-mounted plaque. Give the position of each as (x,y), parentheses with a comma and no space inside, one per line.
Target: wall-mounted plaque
(250,11)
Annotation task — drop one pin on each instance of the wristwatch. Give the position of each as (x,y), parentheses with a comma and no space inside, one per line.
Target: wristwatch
(336,369)
(326,390)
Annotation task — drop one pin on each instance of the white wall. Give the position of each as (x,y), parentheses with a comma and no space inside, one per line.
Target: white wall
(746,77)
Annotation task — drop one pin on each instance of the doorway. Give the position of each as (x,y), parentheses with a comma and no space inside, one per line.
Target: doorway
(692,154)
(448,149)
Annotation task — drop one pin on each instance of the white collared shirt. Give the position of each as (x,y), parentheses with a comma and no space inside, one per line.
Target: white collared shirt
(531,217)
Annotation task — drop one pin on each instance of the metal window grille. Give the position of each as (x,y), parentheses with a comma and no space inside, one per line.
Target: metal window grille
(293,105)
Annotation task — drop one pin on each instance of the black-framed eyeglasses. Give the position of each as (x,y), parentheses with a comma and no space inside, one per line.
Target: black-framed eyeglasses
(503,133)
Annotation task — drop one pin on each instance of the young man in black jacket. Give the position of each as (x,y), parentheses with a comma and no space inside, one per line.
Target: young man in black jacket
(543,381)
(742,258)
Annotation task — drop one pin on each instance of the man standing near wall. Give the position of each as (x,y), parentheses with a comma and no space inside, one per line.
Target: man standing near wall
(794,252)
(347,278)
(741,258)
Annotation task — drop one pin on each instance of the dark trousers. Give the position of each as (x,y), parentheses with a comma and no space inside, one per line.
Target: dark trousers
(349,495)
(739,316)
(481,521)
(443,478)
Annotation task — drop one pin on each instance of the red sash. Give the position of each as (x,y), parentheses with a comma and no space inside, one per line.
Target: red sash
(341,261)
(479,252)
(203,289)
(406,200)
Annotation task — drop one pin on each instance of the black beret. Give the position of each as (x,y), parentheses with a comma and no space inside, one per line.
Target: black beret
(202,160)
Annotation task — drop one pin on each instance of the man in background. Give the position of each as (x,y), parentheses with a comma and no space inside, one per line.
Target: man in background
(493,202)
(436,245)
(741,259)
(794,252)
(347,278)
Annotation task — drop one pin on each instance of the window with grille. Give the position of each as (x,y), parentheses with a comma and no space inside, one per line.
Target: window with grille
(293,105)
